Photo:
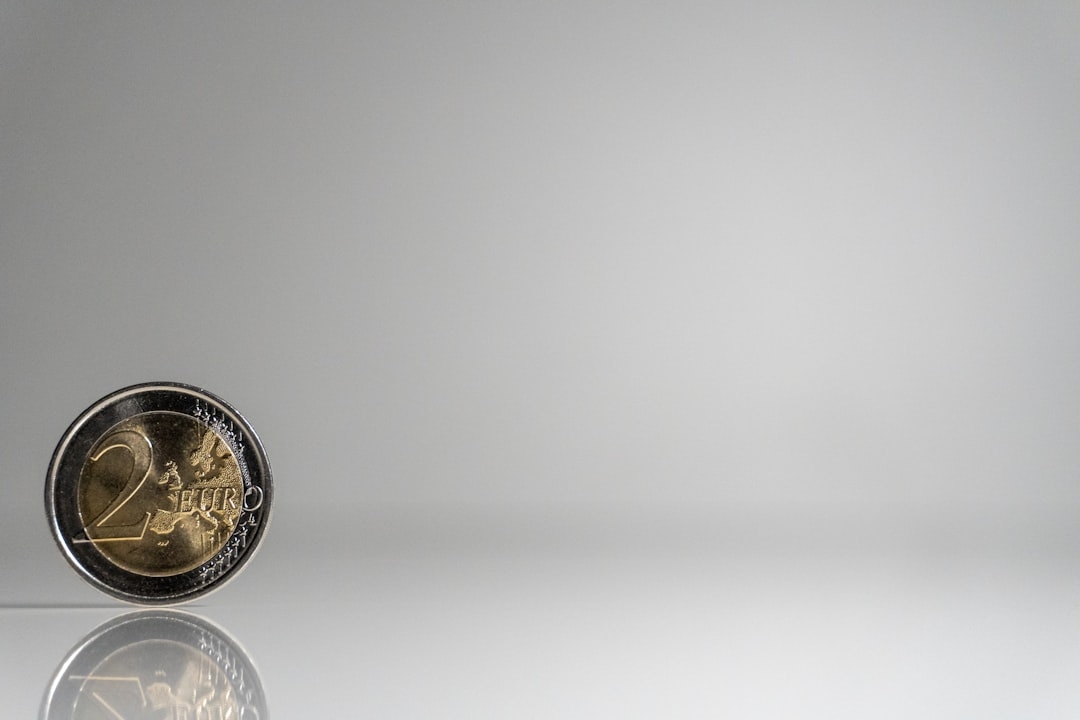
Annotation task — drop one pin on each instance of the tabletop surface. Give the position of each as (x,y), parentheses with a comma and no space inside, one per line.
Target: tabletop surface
(534,616)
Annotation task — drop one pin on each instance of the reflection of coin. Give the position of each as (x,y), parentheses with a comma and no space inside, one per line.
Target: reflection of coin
(158,493)
(155,664)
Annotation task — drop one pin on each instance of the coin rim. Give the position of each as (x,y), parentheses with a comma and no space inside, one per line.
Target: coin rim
(102,573)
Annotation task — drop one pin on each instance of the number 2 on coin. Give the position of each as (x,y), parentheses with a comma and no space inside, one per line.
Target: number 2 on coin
(99,529)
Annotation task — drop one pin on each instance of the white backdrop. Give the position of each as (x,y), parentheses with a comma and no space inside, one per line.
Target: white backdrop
(566,254)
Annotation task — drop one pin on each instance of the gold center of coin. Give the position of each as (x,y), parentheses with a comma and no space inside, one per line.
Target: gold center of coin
(160,493)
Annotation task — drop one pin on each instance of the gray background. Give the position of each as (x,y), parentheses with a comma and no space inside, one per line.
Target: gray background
(520,296)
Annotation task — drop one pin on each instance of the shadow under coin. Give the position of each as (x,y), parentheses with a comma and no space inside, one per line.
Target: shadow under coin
(159,665)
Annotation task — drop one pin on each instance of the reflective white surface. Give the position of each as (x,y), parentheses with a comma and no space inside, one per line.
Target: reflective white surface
(419,614)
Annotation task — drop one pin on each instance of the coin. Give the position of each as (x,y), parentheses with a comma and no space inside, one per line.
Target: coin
(155,664)
(158,493)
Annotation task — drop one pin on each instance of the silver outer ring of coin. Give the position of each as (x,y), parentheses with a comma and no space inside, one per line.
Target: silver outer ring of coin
(122,632)
(61,492)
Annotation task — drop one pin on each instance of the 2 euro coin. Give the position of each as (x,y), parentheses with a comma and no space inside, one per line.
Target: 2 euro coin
(158,493)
